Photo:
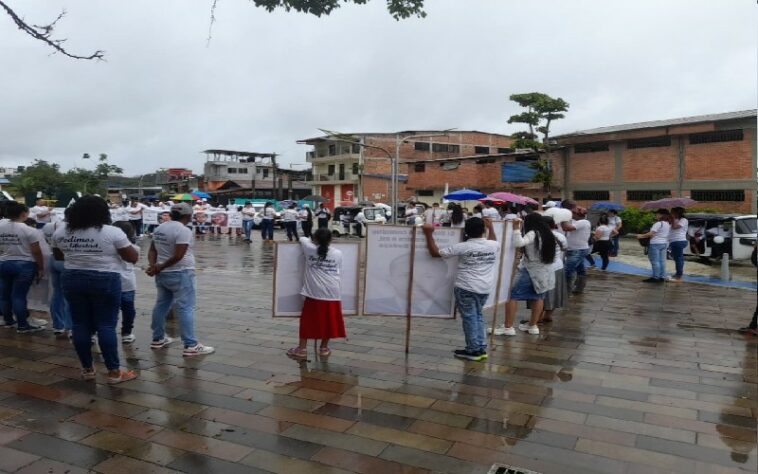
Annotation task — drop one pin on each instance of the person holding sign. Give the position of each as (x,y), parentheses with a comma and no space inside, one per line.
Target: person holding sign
(536,275)
(321,317)
(476,277)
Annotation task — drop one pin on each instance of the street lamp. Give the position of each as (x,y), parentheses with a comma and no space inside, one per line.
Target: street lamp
(345,138)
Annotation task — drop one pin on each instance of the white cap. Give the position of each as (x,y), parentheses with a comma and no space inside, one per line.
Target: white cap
(549,204)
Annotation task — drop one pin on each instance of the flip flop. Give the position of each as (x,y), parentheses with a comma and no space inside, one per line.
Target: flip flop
(123,376)
(298,353)
(324,352)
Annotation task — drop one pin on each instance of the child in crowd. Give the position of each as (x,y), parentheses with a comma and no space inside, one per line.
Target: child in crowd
(476,277)
(321,317)
(128,288)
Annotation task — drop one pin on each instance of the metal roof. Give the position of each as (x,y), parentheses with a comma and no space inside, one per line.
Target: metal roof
(393,134)
(740,114)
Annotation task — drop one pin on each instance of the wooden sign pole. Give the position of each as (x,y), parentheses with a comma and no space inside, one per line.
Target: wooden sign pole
(409,306)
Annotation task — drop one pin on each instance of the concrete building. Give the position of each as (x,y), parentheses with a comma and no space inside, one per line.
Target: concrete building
(710,158)
(251,174)
(344,171)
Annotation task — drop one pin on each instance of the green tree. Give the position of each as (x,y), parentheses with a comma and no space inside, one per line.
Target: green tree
(40,176)
(541,111)
(105,169)
(84,181)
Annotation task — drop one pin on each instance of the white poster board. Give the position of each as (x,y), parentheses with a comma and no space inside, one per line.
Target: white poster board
(504,234)
(289,268)
(434,278)
(388,266)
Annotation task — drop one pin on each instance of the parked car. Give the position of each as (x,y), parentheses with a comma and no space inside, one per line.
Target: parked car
(343,219)
(739,233)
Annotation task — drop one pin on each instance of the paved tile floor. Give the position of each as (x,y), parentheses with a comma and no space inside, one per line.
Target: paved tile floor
(629,379)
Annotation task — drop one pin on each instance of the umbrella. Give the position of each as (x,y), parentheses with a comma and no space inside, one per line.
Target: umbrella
(315,198)
(510,197)
(183,197)
(464,195)
(200,195)
(668,203)
(607,206)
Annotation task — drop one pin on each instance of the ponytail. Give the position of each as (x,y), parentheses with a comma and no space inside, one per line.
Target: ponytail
(322,238)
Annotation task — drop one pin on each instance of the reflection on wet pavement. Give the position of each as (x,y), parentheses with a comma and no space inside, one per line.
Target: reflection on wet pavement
(628,379)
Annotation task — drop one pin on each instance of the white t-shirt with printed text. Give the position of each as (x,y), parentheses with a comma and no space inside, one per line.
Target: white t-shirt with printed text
(16,239)
(322,277)
(91,249)
(477,264)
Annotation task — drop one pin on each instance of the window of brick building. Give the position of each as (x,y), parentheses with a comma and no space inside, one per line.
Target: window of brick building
(734,195)
(454,148)
(330,170)
(419,167)
(421,146)
(649,142)
(590,147)
(482,161)
(449,165)
(356,148)
(425,193)
(592,195)
(481,150)
(445,148)
(505,150)
(652,195)
(715,137)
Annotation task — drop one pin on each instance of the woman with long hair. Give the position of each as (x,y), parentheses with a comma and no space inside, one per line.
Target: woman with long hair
(306,220)
(536,275)
(457,219)
(659,242)
(94,252)
(604,232)
(678,240)
(21,262)
(321,317)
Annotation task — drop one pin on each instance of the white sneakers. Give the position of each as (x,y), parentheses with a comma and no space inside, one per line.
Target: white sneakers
(502,331)
(128,338)
(534,330)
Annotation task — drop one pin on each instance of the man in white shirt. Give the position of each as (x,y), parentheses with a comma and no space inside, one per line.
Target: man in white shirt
(476,277)
(41,213)
(577,236)
(490,211)
(290,222)
(434,215)
(615,222)
(410,214)
(172,263)
(135,216)
(360,220)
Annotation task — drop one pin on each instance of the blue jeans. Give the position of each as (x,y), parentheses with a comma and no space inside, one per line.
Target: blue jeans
(267,229)
(677,253)
(657,256)
(128,312)
(16,277)
(247,227)
(94,298)
(575,263)
(615,246)
(291,227)
(470,306)
(59,309)
(177,290)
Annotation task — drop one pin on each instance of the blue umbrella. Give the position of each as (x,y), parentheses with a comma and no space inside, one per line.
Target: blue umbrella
(201,195)
(607,205)
(464,195)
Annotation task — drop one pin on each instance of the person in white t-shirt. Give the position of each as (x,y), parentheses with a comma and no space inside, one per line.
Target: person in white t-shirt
(360,222)
(434,215)
(410,214)
(305,216)
(248,219)
(128,288)
(267,222)
(135,216)
(659,242)
(41,213)
(21,263)
(321,317)
(616,223)
(475,279)
(489,211)
(578,232)
(290,221)
(93,255)
(604,233)
(172,263)
(678,240)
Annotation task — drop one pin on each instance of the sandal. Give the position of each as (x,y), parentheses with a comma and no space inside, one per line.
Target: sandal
(324,351)
(298,353)
(88,374)
(123,376)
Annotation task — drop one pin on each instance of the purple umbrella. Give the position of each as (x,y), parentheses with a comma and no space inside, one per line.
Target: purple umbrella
(668,203)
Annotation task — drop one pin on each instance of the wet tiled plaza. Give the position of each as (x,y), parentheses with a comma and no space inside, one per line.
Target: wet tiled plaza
(629,379)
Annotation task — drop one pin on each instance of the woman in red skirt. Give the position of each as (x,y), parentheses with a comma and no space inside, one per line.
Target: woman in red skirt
(322,311)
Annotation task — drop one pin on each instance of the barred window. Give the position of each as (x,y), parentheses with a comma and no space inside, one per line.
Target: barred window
(592,195)
(715,137)
(649,142)
(419,167)
(421,146)
(481,150)
(425,192)
(653,195)
(590,147)
(445,148)
(505,150)
(735,195)
(481,161)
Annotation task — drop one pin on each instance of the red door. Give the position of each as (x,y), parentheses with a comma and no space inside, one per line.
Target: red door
(327,192)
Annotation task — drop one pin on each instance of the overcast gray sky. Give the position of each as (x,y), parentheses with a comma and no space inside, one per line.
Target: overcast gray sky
(267,80)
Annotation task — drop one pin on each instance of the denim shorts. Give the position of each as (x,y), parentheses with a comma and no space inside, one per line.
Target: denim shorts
(523,289)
